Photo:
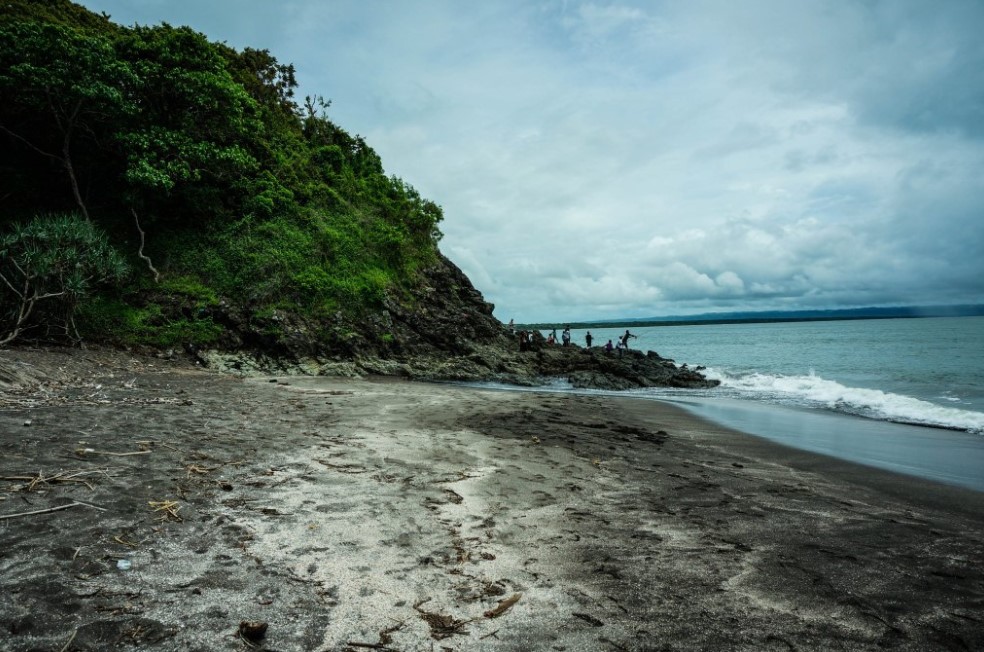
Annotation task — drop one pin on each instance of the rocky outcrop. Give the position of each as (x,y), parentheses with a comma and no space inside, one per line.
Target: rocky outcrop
(600,369)
(443,330)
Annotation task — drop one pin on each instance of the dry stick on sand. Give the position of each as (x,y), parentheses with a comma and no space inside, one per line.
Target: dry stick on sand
(61,476)
(169,509)
(503,606)
(89,451)
(70,640)
(49,510)
(123,542)
(199,469)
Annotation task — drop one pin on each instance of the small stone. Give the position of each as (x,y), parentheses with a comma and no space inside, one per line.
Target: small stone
(27,422)
(252,630)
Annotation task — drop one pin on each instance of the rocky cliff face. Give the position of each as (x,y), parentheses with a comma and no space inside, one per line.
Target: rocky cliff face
(444,330)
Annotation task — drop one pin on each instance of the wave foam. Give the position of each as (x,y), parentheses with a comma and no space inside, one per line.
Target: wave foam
(872,403)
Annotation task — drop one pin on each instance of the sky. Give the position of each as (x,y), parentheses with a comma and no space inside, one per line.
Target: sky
(598,160)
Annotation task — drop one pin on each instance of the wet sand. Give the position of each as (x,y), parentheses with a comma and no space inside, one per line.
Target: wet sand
(389,515)
(952,457)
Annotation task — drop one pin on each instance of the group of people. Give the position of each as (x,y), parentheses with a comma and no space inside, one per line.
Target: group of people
(526,339)
(565,337)
(623,342)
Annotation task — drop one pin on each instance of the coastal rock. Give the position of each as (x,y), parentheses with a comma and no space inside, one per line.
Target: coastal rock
(582,368)
(443,331)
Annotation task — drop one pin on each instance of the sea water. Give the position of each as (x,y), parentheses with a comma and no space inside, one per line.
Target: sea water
(901,394)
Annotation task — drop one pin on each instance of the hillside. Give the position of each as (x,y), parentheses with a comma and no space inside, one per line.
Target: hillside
(239,192)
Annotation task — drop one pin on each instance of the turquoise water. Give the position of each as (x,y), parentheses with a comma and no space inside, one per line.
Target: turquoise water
(906,395)
(916,371)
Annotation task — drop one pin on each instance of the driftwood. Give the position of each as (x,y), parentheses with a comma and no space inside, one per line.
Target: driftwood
(49,510)
(89,451)
(385,638)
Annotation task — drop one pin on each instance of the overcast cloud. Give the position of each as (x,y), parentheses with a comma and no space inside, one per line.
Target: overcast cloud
(606,159)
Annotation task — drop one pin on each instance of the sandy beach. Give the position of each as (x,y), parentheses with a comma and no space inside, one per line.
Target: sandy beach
(149,505)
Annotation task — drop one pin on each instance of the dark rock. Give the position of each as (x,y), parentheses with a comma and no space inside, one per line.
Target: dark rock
(253,630)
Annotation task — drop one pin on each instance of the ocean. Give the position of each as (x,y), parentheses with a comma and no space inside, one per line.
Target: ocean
(900,394)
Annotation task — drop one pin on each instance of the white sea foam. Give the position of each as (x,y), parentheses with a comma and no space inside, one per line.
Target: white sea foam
(814,391)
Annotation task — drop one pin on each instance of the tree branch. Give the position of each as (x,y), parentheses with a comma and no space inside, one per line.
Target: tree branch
(70,169)
(13,289)
(140,252)
(29,143)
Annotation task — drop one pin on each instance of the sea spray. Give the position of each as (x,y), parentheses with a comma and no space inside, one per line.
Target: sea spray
(816,392)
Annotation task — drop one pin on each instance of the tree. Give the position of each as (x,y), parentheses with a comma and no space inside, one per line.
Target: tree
(194,119)
(54,259)
(66,85)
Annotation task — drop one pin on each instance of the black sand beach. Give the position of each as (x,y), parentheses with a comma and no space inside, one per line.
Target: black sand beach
(389,515)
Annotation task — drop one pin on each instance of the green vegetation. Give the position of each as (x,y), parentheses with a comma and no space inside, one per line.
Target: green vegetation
(48,267)
(203,169)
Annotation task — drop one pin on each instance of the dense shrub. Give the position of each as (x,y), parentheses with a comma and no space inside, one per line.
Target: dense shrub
(48,267)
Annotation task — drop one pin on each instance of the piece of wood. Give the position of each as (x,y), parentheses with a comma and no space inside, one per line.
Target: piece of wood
(503,606)
(70,640)
(48,511)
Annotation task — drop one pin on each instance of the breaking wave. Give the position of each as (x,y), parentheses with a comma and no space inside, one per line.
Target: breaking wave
(816,392)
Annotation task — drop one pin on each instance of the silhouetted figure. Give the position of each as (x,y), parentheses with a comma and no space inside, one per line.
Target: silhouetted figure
(588,338)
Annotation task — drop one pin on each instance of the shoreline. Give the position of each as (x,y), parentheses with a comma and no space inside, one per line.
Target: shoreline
(910,449)
(943,455)
(388,514)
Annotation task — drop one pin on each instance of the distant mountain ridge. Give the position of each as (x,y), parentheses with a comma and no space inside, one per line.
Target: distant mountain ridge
(765,316)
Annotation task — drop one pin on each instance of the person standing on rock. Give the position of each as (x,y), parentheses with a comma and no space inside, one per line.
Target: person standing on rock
(625,339)
(566,336)
(588,338)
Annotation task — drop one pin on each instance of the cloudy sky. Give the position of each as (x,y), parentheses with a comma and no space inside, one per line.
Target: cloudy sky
(648,158)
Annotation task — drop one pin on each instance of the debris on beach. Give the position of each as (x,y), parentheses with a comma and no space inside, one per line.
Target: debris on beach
(588,618)
(253,630)
(441,625)
(168,509)
(503,606)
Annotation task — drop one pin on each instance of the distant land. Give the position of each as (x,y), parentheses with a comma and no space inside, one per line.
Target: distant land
(770,316)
